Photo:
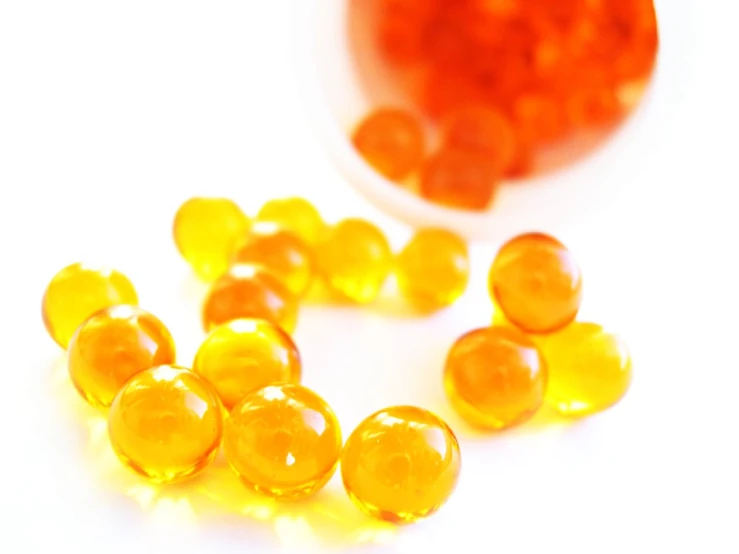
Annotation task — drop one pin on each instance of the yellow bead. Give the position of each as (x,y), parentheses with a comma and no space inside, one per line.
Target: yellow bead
(248,291)
(281,252)
(355,259)
(77,292)
(208,232)
(283,440)
(401,464)
(433,269)
(589,369)
(114,345)
(296,215)
(166,424)
(244,355)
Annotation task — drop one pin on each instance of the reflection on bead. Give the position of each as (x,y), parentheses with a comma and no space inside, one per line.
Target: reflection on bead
(296,215)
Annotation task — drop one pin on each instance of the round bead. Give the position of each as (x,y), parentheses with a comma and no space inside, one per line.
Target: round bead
(282,253)
(296,215)
(495,377)
(207,232)
(401,464)
(433,269)
(536,282)
(283,440)
(589,369)
(391,141)
(244,355)
(114,345)
(248,291)
(76,293)
(355,259)
(166,424)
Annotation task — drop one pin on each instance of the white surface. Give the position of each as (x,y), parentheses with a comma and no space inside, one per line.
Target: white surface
(112,113)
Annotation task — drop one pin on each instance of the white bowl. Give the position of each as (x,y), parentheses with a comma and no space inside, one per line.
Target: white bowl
(335,102)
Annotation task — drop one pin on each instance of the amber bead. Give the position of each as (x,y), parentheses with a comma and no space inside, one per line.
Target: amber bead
(166,424)
(391,141)
(355,259)
(432,270)
(114,345)
(296,215)
(76,293)
(458,179)
(249,291)
(401,464)
(282,253)
(283,440)
(495,377)
(244,355)
(207,232)
(589,369)
(536,282)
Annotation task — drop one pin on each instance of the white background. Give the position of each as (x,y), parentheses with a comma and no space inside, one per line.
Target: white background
(112,113)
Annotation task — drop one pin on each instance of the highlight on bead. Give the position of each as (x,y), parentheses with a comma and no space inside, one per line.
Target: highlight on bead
(296,215)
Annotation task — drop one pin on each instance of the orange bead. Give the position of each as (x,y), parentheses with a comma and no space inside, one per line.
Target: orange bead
(495,377)
(283,440)
(355,259)
(244,355)
(282,253)
(458,179)
(536,282)
(433,269)
(391,141)
(296,215)
(401,464)
(114,345)
(76,293)
(166,424)
(589,369)
(249,291)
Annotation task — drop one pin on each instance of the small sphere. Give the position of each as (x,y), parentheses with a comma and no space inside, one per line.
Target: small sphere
(207,232)
(296,215)
(589,369)
(458,179)
(433,268)
(114,345)
(355,259)
(401,464)
(495,377)
(166,424)
(283,440)
(536,282)
(244,355)
(282,253)
(248,291)
(391,141)
(77,292)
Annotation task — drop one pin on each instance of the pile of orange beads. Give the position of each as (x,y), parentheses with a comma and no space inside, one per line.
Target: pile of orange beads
(243,390)
(508,88)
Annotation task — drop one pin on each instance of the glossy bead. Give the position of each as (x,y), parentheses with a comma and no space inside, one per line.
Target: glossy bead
(114,345)
(296,215)
(458,179)
(207,232)
(391,141)
(283,440)
(355,259)
(76,293)
(401,464)
(244,355)
(432,270)
(589,369)
(495,377)
(282,253)
(248,291)
(166,424)
(536,282)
